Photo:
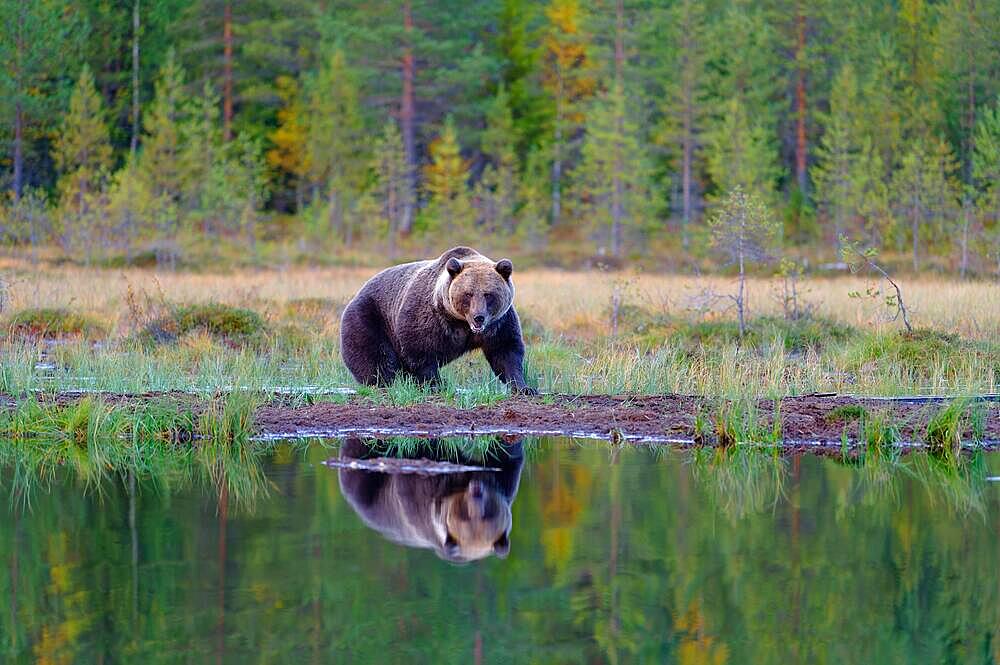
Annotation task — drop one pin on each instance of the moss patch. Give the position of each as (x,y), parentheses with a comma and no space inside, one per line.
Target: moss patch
(922,350)
(795,336)
(231,325)
(53,323)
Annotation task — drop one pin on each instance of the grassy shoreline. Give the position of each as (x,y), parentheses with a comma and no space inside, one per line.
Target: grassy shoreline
(138,331)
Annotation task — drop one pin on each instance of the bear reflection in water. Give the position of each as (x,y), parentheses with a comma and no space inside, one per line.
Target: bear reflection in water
(461,516)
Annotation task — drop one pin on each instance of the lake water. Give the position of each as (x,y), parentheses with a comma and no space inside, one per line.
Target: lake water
(612,555)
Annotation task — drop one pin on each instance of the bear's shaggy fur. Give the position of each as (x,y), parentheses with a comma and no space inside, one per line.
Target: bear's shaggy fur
(417,317)
(461,516)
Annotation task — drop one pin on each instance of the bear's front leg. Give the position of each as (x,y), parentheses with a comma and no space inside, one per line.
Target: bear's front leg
(426,372)
(504,352)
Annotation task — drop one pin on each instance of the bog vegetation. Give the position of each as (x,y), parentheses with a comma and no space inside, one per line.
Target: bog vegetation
(176,132)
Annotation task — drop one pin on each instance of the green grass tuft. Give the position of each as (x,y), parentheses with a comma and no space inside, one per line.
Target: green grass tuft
(879,434)
(846,412)
(945,428)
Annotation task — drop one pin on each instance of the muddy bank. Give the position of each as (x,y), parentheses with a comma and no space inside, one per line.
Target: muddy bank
(805,421)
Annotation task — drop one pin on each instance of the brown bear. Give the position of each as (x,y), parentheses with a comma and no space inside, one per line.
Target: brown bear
(461,516)
(418,317)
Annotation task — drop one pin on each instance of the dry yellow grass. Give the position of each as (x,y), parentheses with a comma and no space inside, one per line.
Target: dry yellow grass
(572,303)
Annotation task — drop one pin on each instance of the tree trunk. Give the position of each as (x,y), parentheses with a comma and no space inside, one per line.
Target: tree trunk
(687,157)
(15,572)
(970,103)
(966,222)
(801,174)
(18,183)
(134,145)
(134,531)
(333,211)
(18,149)
(618,184)
(220,622)
(227,72)
(407,113)
(557,173)
(740,294)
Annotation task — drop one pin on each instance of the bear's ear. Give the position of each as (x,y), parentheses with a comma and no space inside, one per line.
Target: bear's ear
(501,548)
(505,268)
(454,266)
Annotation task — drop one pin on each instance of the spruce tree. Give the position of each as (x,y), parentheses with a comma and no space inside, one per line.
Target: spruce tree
(986,174)
(684,106)
(335,143)
(569,77)
(611,179)
(837,177)
(446,181)
(533,226)
(925,193)
(391,182)
(287,156)
(519,61)
(496,192)
(201,152)
(966,45)
(82,149)
(40,39)
(743,230)
(740,153)
(160,164)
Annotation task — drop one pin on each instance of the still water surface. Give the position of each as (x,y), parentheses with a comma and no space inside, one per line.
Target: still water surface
(631,555)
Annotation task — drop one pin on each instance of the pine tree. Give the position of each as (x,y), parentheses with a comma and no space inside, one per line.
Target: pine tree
(533,224)
(82,153)
(986,175)
(882,90)
(39,41)
(916,33)
(518,56)
(288,155)
(335,140)
(966,45)
(160,163)
(838,179)
(496,192)
(201,152)
(740,154)
(684,106)
(743,230)
(925,193)
(611,178)
(446,180)
(234,191)
(82,150)
(872,194)
(569,78)
(745,59)
(212,49)
(391,181)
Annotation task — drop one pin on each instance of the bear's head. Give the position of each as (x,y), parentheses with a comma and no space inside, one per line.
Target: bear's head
(477,291)
(474,523)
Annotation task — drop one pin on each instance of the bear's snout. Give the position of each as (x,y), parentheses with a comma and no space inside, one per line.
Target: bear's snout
(479,315)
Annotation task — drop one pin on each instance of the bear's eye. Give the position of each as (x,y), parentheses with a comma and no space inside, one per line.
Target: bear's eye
(490,298)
